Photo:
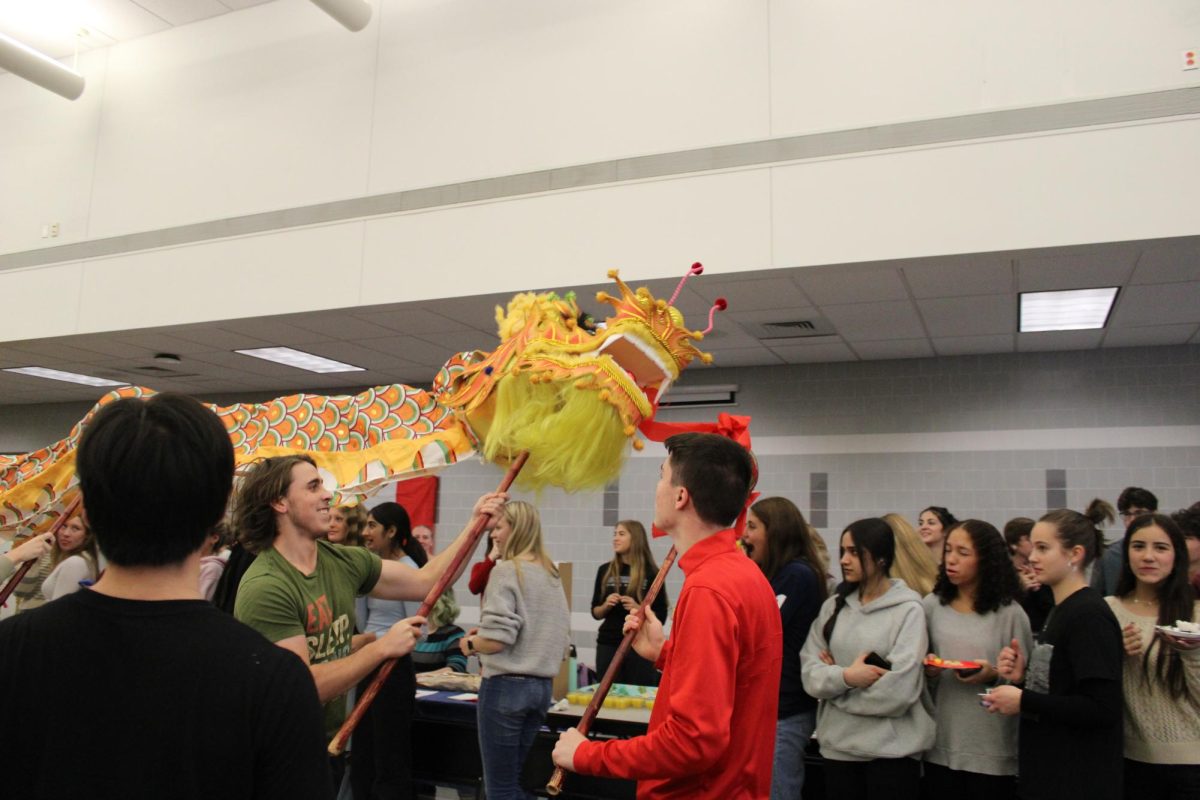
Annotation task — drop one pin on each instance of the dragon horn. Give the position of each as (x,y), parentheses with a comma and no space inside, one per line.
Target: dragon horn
(696,269)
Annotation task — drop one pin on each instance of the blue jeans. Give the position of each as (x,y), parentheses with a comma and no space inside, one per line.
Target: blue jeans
(791,738)
(511,711)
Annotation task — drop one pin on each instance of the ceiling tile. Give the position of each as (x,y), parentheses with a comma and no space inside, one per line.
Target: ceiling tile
(1149,335)
(249,368)
(727,335)
(850,284)
(411,349)
(213,338)
(813,353)
(754,294)
(973,275)
(1169,264)
(359,356)
(274,331)
(1156,304)
(453,342)
(894,348)
(1058,340)
(1100,267)
(124,20)
(159,342)
(969,316)
(50,352)
(875,321)
(742,357)
(181,12)
(972,345)
(418,320)
(339,325)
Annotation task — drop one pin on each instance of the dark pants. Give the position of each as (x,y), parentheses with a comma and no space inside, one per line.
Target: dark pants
(880,779)
(943,783)
(381,758)
(1162,781)
(635,670)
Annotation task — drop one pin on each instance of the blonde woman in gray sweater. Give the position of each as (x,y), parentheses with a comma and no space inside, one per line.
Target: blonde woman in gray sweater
(523,634)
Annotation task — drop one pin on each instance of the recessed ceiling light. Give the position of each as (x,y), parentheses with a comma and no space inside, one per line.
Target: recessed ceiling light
(69,377)
(1072,310)
(299,359)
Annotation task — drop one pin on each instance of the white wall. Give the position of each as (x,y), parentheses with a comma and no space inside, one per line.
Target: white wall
(277,107)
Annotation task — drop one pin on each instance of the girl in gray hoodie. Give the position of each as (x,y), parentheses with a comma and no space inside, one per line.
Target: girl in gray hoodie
(863,661)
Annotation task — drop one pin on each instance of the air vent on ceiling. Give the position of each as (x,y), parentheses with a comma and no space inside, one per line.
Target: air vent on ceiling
(790,328)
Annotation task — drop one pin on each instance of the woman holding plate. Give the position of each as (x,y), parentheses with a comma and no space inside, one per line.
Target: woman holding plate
(972,614)
(1162,663)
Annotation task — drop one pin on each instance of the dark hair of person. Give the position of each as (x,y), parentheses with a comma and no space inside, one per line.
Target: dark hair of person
(944,516)
(392,516)
(876,550)
(1136,497)
(788,539)
(997,583)
(1188,520)
(642,566)
(1082,530)
(169,458)
(253,517)
(1016,529)
(1176,600)
(717,472)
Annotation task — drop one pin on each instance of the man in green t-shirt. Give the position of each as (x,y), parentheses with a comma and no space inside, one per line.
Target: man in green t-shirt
(300,590)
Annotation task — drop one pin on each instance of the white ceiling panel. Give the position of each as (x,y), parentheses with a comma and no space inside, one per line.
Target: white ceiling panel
(875,321)
(1149,335)
(815,353)
(273,330)
(1157,304)
(969,316)
(124,19)
(754,295)
(418,321)
(742,357)
(975,345)
(1168,264)
(359,356)
(955,278)
(1087,271)
(1058,340)
(181,12)
(894,348)
(850,284)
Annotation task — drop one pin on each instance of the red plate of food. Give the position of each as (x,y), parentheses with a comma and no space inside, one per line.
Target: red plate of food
(949,663)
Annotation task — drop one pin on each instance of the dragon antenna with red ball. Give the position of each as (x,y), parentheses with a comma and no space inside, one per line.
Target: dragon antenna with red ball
(696,269)
(720,305)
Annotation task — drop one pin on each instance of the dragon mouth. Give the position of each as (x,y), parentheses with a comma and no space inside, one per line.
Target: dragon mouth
(644,368)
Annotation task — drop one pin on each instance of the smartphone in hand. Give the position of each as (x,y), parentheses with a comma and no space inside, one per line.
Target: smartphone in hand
(876,660)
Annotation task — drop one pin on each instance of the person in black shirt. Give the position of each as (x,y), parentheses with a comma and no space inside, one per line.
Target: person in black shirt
(620,586)
(777,539)
(1071,738)
(168,696)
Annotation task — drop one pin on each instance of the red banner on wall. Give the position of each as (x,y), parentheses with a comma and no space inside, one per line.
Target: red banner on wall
(419,498)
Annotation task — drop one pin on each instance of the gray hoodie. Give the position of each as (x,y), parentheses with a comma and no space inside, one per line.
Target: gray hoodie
(891,718)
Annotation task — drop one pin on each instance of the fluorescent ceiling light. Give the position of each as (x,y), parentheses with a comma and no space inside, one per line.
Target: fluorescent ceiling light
(1072,310)
(69,377)
(300,359)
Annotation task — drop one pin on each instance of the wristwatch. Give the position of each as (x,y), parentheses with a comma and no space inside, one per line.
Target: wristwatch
(470,645)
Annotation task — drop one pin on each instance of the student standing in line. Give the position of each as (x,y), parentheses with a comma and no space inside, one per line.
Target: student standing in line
(381,767)
(620,586)
(1133,502)
(933,524)
(777,538)
(1070,705)
(972,615)
(523,635)
(76,558)
(1162,673)
(863,661)
(914,564)
(1036,599)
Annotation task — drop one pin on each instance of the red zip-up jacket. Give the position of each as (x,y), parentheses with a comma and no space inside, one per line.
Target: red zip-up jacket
(712,731)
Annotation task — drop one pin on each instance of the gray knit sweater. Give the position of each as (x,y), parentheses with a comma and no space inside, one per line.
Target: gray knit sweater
(529,616)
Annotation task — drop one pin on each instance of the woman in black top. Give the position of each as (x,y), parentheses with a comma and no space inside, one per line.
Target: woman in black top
(1071,738)
(620,586)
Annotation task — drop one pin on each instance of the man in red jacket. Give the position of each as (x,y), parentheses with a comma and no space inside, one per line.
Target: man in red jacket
(712,731)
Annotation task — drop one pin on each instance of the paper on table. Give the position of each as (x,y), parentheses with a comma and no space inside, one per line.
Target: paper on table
(471,696)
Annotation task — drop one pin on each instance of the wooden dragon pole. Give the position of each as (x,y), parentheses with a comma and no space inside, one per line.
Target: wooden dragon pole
(63,518)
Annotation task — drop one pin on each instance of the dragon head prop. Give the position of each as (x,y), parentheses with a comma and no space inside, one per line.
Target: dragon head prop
(571,391)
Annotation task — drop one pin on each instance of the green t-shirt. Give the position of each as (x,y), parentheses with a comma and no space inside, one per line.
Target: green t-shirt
(280,602)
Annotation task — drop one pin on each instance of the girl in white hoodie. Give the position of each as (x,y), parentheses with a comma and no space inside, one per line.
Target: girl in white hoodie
(863,661)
